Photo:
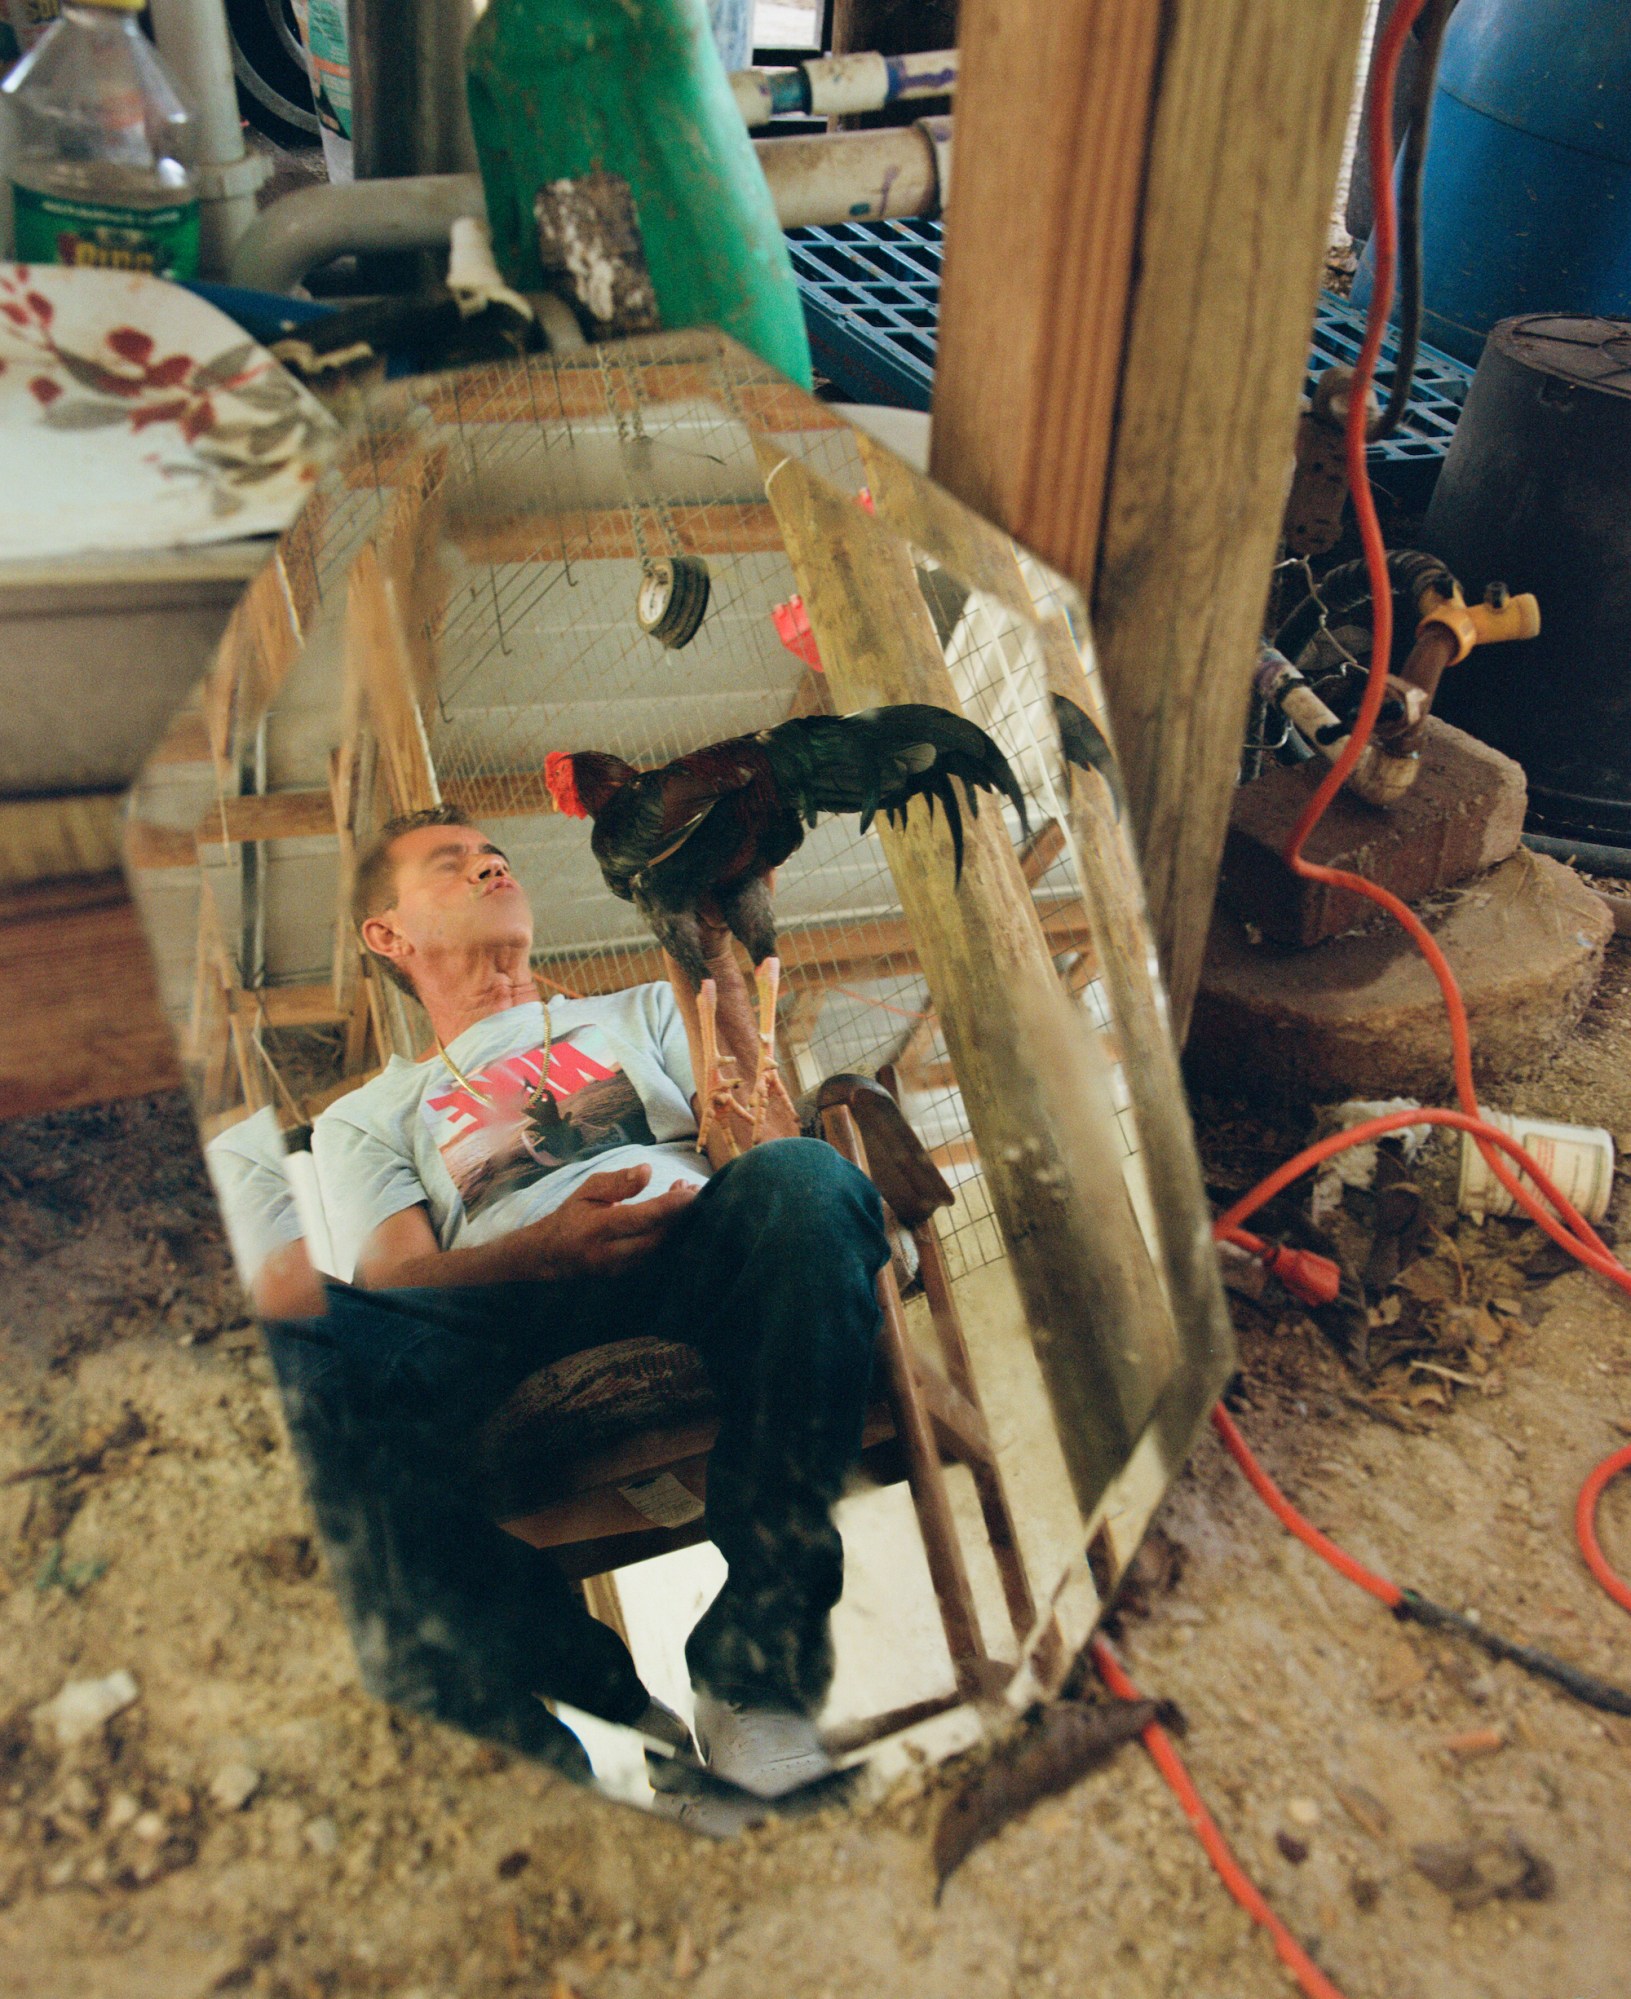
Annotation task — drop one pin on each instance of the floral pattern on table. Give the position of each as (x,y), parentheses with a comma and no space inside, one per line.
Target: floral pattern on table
(133,414)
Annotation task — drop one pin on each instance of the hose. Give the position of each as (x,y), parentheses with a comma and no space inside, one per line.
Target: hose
(1346,587)
(1435,18)
(1595,858)
(1561,1220)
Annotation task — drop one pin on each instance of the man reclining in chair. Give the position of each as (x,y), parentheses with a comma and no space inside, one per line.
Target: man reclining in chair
(526,1191)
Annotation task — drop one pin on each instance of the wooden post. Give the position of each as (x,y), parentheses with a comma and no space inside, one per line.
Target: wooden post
(1053,109)
(979,555)
(1103,1336)
(1164,502)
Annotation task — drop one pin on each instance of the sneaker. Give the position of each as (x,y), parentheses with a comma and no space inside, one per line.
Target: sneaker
(659,1723)
(766,1750)
(692,1799)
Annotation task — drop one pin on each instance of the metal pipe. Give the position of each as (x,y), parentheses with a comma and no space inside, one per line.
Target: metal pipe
(408,109)
(1588,854)
(1379,777)
(852,176)
(838,86)
(316,224)
(192,37)
(841,177)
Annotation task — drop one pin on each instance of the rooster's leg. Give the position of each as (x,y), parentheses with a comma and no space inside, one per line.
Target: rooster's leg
(716,1091)
(767,1081)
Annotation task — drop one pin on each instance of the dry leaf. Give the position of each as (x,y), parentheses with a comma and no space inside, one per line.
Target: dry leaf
(1367,1811)
(1432,1282)
(1473,1871)
(1421,1394)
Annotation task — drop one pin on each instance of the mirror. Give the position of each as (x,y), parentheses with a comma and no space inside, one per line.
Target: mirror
(829,1447)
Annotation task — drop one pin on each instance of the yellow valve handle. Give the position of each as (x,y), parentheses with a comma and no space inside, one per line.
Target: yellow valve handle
(1481,624)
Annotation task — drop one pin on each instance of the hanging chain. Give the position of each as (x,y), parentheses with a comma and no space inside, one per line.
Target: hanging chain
(636,443)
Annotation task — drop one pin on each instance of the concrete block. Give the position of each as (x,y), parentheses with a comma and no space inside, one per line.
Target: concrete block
(1362,1014)
(1463,815)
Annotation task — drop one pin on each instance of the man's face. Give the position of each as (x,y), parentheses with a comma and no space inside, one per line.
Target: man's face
(455,896)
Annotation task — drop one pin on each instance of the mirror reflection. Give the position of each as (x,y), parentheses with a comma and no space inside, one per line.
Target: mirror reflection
(675,1036)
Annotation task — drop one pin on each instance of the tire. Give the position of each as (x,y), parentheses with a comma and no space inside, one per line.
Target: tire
(681,617)
(274,88)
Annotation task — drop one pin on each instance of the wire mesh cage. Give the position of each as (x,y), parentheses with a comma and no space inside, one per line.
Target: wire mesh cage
(647,550)
(520,510)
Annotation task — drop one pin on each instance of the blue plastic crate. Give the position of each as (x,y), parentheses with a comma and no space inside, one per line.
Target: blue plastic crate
(1437,390)
(871,295)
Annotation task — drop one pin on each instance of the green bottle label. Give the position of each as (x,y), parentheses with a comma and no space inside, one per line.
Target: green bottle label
(54,229)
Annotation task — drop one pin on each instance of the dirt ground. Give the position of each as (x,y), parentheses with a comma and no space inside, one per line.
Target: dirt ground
(158,1529)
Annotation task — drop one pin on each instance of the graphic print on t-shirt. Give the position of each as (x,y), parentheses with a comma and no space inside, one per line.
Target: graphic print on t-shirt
(497,1136)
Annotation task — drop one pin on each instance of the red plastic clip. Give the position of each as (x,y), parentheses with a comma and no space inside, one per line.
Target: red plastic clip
(793,629)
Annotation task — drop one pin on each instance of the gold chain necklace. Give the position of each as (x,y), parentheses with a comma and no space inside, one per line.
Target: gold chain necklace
(480,1094)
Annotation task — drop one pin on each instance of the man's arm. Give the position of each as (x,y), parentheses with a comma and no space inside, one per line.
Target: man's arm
(598,1229)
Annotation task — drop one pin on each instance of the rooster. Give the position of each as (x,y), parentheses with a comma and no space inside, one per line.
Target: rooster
(713,825)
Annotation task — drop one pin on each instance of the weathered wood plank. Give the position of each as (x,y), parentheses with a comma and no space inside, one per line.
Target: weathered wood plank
(1053,110)
(1253,101)
(78,994)
(43,839)
(1049,1154)
(711,527)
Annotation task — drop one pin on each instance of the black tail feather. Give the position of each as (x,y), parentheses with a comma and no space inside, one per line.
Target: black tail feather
(884,758)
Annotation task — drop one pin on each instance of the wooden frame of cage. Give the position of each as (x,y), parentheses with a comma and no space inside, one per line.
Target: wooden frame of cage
(1079,1262)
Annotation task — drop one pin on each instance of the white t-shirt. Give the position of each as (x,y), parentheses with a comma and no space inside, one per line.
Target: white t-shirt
(253,1190)
(488,1160)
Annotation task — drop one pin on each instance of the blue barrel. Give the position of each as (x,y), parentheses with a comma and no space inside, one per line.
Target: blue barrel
(1527,199)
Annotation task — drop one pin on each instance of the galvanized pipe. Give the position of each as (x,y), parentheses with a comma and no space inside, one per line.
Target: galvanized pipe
(408,109)
(841,177)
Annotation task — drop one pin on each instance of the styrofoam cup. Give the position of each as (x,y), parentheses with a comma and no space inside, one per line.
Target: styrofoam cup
(1578,1159)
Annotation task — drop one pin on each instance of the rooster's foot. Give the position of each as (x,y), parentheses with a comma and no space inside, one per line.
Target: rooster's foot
(767,1080)
(718,1092)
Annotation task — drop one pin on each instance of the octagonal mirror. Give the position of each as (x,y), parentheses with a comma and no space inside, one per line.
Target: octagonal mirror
(622,741)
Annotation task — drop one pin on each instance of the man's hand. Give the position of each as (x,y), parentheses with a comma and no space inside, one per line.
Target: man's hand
(602,1228)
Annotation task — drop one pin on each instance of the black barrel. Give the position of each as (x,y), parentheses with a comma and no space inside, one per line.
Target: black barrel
(1536,494)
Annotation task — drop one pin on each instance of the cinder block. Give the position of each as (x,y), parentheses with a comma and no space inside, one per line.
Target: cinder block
(1463,814)
(1362,1016)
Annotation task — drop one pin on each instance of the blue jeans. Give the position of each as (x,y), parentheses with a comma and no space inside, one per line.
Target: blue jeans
(770,1273)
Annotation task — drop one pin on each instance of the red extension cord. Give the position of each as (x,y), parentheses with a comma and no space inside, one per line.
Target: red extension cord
(1573,1232)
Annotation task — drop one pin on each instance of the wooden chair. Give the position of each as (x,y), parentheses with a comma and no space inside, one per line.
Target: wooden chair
(603,1457)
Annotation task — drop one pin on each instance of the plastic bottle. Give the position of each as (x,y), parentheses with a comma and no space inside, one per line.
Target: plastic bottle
(29,19)
(100,148)
(325,36)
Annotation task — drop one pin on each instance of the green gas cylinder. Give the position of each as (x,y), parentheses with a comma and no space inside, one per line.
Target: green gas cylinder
(617,167)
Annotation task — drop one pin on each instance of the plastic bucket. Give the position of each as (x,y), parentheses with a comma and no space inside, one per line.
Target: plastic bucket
(1578,1159)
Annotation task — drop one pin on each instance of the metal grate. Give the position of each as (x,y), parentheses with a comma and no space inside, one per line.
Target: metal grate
(871,295)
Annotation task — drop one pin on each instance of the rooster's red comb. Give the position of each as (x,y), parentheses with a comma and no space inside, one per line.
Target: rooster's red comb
(562,781)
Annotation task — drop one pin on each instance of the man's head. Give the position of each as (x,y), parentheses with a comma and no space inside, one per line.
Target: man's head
(431,888)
